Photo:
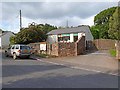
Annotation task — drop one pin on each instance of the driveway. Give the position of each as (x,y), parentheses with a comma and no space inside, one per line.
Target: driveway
(97,61)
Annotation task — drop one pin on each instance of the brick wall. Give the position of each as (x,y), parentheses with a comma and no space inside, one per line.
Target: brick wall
(80,46)
(66,49)
(104,44)
(118,50)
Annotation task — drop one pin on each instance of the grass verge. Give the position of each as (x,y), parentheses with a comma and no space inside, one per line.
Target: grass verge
(46,56)
(112,52)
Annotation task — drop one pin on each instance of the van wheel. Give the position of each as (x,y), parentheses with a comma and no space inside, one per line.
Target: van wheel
(14,56)
(6,54)
(28,56)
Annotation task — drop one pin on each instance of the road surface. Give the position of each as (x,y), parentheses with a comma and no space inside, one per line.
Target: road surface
(30,73)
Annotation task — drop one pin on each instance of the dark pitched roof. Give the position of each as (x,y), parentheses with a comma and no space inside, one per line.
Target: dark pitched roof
(69,30)
(0,29)
(5,32)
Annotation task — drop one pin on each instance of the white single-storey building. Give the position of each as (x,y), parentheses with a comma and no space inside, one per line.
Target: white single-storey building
(69,41)
(5,38)
(70,35)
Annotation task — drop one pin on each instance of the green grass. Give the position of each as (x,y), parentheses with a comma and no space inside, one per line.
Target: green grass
(42,55)
(113,52)
(46,56)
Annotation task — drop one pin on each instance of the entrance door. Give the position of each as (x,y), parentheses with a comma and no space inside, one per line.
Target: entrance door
(75,38)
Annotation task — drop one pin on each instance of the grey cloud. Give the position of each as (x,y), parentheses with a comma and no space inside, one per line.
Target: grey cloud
(51,10)
(57,10)
(9,10)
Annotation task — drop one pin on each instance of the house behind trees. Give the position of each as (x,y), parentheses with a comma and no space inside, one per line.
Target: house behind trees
(5,38)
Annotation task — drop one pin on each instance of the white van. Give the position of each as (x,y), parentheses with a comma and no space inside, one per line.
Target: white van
(18,50)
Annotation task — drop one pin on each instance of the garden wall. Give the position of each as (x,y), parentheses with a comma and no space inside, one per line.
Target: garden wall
(66,49)
(80,46)
(52,49)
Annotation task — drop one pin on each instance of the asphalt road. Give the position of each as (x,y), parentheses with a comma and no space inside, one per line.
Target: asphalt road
(29,73)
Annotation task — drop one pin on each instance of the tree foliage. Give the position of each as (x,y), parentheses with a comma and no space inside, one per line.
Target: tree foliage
(12,40)
(101,21)
(34,33)
(95,32)
(114,25)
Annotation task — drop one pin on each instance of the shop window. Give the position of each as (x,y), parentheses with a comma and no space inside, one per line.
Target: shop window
(66,38)
(60,39)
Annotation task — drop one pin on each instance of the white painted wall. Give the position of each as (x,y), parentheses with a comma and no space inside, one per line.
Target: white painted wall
(5,39)
(0,42)
(52,38)
(79,35)
(71,37)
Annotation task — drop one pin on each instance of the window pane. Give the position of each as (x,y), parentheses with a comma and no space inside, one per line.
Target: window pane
(17,47)
(24,47)
(13,47)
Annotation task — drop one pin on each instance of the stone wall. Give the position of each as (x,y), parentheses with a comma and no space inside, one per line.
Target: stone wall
(80,46)
(52,49)
(104,44)
(66,49)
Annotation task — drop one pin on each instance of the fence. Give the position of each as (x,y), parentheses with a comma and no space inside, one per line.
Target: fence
(118,50)
(104,44)
(107,44)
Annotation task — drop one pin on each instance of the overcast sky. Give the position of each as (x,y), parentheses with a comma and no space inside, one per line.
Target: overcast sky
(54,13)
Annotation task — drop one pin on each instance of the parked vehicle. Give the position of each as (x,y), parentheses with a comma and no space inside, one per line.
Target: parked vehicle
(18,50)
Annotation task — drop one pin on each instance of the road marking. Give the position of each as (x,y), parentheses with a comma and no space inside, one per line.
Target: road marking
(79,68)
(94,70)
(48,62)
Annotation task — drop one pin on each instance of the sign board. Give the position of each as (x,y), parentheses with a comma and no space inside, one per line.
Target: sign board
(65,34)
(43,47)
(75,34)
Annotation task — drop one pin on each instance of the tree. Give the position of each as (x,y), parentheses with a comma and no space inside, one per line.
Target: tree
(101,22)
(95,32)
(33,33)
(12,40)
(114,25)
(29,35)
(47,28)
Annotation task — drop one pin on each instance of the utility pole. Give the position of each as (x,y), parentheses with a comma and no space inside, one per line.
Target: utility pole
(20,21)
(67,24)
